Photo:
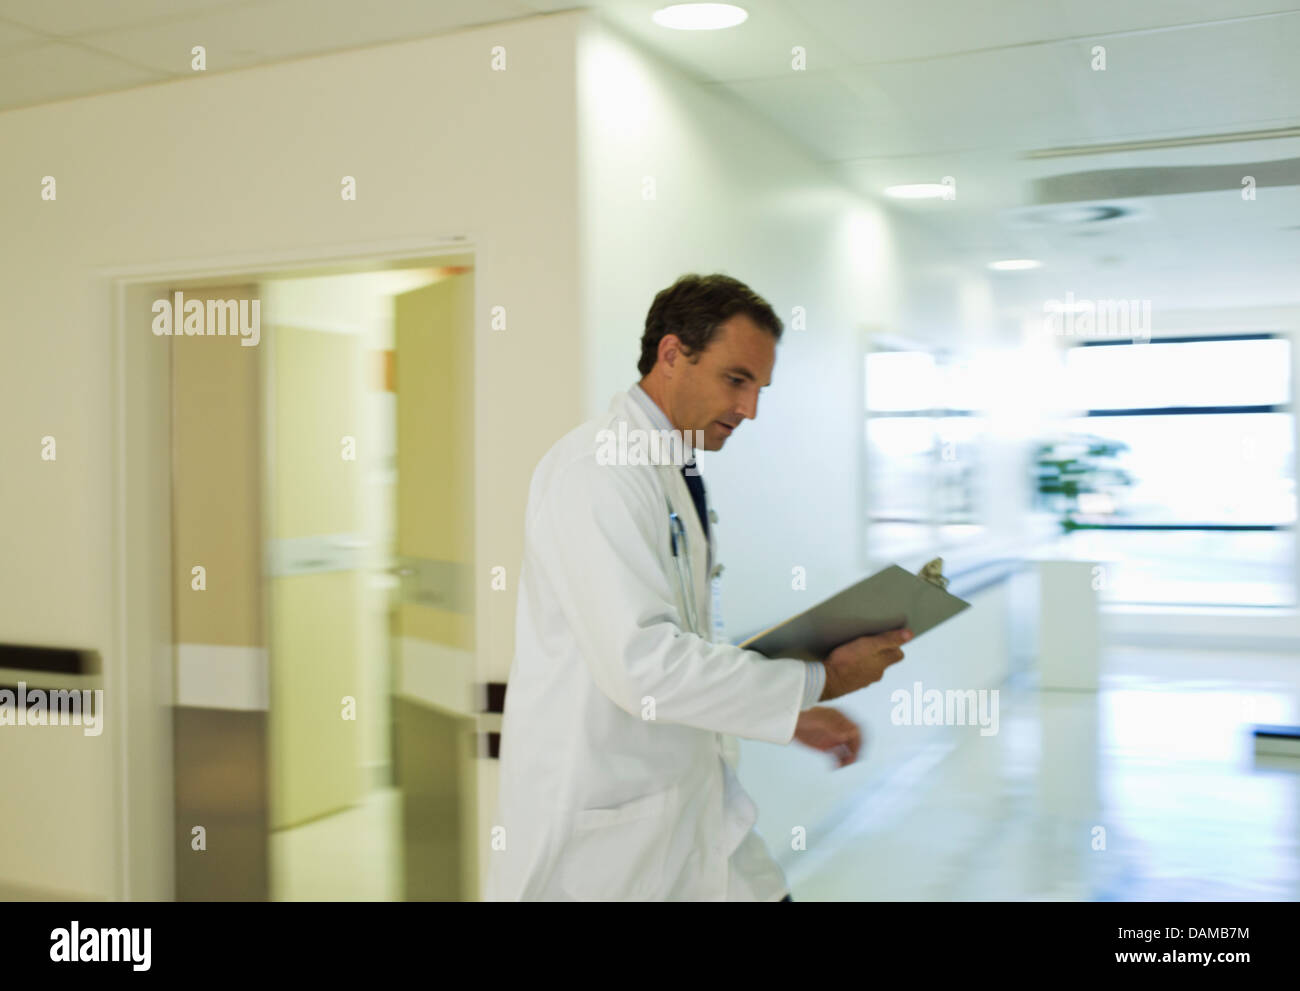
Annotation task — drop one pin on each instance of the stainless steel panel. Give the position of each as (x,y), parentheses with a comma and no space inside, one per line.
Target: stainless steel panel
(221,784)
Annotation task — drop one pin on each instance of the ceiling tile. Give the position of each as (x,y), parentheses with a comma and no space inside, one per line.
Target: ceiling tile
(14,37)
(888,31)
(287,28)
(249,34)
(79,17)
(58,71)
(828,116)
(1200,80)
(1008,100)
(1109,16)
(168,47)
(763,46)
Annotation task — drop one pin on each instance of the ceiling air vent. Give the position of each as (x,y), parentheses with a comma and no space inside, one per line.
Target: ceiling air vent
(1073,215)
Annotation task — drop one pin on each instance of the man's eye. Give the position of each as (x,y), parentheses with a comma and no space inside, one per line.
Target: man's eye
(736,381)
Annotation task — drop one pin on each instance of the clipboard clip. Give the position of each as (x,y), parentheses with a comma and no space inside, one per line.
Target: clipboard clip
(933,573)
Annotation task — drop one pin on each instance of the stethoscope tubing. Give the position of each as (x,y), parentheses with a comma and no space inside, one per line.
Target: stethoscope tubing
(685,579)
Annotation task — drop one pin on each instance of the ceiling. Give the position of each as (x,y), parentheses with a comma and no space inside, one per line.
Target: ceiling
(1001,96)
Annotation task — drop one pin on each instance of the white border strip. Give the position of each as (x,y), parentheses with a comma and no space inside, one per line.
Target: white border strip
(213,676)
(436,674)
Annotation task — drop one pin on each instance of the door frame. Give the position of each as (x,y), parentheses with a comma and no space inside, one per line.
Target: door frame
(139,663)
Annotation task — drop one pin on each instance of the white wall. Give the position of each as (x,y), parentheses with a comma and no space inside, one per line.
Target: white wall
(734,195)
(542,167)
(239,167)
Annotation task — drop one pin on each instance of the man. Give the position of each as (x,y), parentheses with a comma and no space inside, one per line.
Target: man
(617,780)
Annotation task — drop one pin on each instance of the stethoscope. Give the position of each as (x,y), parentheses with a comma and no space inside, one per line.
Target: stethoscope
(682,562)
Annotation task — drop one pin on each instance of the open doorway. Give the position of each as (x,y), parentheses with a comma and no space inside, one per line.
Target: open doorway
(370,506)
(302,498)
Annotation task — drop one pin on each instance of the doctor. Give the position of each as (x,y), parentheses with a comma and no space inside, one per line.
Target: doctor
(617,758)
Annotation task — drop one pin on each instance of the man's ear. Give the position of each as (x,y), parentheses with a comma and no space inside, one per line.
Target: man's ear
(669,350)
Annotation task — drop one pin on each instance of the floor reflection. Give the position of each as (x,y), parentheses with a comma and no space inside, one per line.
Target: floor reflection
(1147,790)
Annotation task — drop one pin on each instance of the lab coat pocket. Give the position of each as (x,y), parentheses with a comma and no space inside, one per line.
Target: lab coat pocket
(617,854)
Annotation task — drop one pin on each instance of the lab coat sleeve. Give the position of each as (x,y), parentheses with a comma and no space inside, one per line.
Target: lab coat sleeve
(597,533)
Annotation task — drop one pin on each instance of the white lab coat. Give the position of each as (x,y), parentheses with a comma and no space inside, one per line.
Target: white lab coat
(597,800)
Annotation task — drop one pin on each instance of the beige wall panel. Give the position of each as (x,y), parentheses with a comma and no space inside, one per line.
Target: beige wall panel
(216,483)
(315,646)
(220,755)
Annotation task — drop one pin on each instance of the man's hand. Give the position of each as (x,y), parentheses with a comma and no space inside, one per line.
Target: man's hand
(829,730)
(862,662)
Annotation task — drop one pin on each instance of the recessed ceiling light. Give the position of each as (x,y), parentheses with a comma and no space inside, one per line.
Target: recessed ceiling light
(919,191)
(700,16)
(1015,264)
(1071,305)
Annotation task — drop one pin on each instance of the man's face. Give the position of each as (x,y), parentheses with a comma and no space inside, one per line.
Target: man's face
(721,389)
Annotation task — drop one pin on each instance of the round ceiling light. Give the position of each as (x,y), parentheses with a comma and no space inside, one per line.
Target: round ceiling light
(1015,264)
(918,191)
(700,16)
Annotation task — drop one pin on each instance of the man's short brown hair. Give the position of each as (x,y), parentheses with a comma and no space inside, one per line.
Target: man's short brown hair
(694,307)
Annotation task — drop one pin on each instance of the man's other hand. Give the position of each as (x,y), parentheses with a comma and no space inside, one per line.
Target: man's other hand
(830,731)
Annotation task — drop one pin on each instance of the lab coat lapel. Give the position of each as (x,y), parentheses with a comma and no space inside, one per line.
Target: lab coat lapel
(700,553)
(674,486)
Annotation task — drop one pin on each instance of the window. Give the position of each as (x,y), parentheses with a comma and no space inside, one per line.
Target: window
(924,429)
(1208,436)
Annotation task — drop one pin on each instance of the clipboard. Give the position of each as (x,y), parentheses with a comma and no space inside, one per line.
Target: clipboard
(890,598)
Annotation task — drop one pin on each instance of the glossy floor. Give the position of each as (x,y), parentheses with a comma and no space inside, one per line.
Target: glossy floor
(1146,790)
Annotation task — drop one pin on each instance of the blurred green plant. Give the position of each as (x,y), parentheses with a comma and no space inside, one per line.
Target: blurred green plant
(1075,464)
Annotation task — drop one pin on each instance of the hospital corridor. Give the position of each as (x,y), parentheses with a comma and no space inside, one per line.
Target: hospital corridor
(490,451)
